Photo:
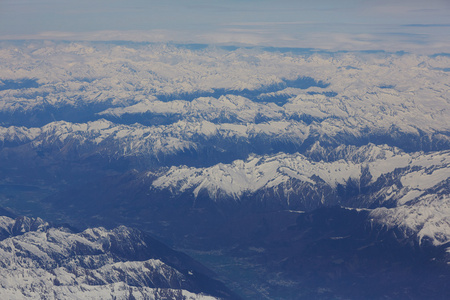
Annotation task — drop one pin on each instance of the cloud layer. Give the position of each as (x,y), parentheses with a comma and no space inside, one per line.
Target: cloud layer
(334,25)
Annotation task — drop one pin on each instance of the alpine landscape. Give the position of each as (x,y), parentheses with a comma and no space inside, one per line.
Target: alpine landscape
(184,170)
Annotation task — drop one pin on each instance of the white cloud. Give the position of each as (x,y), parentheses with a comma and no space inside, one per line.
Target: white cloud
(329,24)
(263,37)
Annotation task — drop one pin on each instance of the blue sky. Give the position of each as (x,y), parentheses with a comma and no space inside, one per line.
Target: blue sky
(330,24)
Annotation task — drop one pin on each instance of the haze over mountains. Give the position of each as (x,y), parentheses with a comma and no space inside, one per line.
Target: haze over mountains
(289,172)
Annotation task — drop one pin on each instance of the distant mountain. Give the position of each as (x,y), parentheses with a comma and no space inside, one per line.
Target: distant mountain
(385,180)
(294,175)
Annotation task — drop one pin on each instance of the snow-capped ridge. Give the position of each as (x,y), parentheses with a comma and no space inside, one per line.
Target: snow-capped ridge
(52,262)
(265,172)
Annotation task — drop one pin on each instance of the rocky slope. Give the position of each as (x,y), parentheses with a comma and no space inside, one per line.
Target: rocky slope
(39,261)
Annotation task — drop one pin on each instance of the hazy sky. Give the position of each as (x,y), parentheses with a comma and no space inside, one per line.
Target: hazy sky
(330,24)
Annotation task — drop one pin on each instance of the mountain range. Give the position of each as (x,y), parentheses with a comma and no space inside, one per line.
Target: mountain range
(292,175)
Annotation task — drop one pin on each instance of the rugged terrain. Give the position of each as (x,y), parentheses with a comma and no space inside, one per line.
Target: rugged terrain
(39,261)
(292,174)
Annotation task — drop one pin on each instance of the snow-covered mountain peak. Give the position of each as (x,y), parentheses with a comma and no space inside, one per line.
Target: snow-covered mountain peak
(383,90)
(428,218)
(96,263)
(265,172)
(253,174)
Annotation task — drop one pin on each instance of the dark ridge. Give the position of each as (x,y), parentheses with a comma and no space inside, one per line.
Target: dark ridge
(146,119)
(304,82)
(280,99)
(46,114)
(387,86)
(352,68)
(440,54)
(232,48)
(307,119)
(131,247)
(18,84)
(326,94)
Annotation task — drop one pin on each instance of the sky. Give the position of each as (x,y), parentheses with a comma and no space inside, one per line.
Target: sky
(410,25)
